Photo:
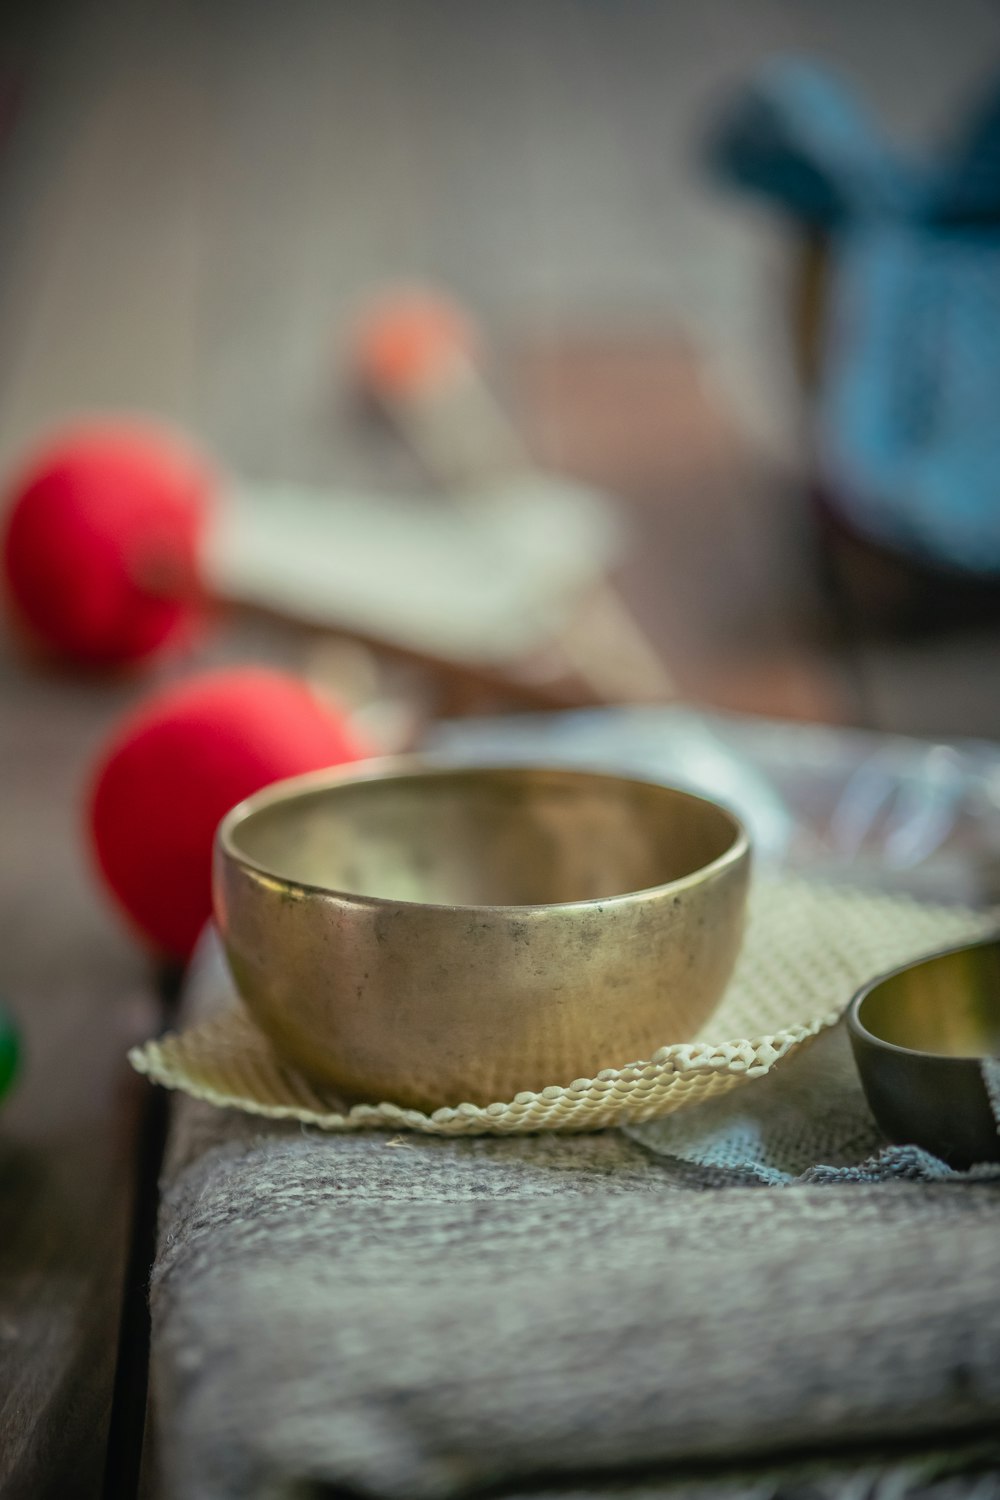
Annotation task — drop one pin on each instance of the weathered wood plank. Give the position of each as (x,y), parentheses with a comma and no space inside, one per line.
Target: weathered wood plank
(96,312)
(82,995)
(721,567)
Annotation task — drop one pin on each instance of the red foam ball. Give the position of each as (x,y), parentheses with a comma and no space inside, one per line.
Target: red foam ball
(100,552)
(176,765)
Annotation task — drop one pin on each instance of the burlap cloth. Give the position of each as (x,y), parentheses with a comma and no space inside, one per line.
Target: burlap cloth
(415,1316)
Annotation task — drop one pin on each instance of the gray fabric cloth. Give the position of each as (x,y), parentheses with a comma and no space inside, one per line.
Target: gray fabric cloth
(807,1121)
(419,1317)
(604,1316)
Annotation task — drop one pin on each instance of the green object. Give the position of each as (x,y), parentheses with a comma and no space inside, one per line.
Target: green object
(10,1050)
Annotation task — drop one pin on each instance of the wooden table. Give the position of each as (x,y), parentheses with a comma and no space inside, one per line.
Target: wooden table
(193,199)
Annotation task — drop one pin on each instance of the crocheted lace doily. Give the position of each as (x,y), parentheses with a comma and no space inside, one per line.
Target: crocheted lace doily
(808,948)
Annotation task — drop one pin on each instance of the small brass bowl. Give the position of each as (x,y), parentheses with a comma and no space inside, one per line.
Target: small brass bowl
(432,936)
(920,1036)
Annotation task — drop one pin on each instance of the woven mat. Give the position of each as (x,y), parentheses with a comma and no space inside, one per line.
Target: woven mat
(809,946)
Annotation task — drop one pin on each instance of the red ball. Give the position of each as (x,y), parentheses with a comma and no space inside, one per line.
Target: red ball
(100,552)
(176,765)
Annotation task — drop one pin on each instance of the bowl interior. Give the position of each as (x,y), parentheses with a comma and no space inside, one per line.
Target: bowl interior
(948,1005)
(483,837)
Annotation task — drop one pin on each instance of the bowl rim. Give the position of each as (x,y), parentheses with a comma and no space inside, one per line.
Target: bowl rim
(407,767)
(858,1029)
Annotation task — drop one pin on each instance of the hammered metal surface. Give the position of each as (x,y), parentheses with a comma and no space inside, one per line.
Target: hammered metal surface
(426,935)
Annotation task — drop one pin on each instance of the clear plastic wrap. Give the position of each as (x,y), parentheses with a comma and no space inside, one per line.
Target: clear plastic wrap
(886,810)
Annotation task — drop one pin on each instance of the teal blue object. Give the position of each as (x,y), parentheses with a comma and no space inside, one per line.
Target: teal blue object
(10,1050)
(796,136)
(907,434)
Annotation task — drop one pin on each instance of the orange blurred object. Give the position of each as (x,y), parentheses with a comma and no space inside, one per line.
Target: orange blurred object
(408,339)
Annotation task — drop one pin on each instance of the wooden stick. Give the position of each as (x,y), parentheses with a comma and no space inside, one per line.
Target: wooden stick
(416,355)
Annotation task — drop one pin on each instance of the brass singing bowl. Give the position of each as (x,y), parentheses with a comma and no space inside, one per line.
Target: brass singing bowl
(920,1036)
(432,936)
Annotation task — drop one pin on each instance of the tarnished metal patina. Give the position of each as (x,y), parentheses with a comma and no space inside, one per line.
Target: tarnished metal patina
(431,935)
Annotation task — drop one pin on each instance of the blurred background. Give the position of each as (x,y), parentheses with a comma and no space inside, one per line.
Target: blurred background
(755,334)
(195,200)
